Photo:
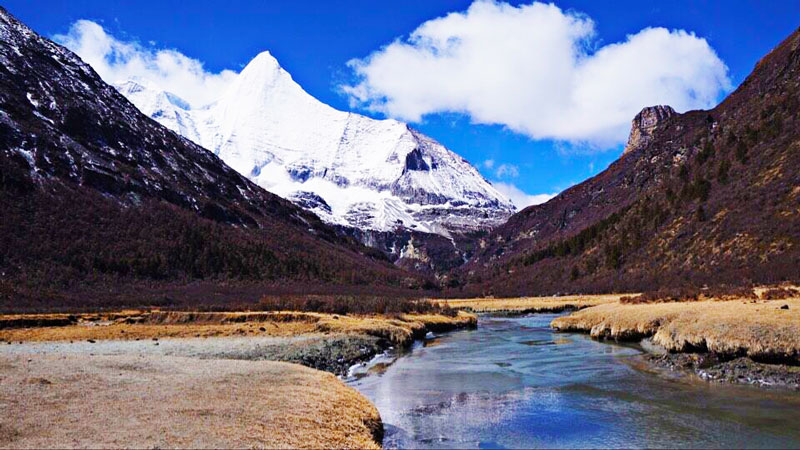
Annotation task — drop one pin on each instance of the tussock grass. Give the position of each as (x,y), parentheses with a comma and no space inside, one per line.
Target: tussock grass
(400,329)
(129,401)
(761,330)
(525,305)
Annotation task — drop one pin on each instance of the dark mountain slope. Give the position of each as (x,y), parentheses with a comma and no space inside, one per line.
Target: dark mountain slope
(705,197)
(99,203)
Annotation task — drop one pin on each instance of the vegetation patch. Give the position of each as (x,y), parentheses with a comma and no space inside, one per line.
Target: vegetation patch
(527,305)
(690,294)
(398,329)
(761,330)
(177,402)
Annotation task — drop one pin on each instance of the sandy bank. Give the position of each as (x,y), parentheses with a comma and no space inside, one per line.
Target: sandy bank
(79,400)
(760,330)
(529,305)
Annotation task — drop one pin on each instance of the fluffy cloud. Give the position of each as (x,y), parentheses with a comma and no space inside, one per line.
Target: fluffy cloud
(507,171)
(520,199)
(537,70)
(117,61)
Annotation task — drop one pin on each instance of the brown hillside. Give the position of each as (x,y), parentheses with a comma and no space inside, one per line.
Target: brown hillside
(102,206)
(709,198)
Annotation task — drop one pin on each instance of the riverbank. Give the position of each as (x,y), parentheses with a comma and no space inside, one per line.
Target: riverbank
(738,341)
(127,401)
(327,342)
(531,305)
(191,379)
(514,382)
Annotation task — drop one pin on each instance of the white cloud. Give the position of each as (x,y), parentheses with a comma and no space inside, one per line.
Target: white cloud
(531,69)
(117,61)
(507,171)
(520,199)
(489,163)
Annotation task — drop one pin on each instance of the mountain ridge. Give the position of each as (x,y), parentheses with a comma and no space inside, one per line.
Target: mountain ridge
(102,204)
(708,198)
(349,169)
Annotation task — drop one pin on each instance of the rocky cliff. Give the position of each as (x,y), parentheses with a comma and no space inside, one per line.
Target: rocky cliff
(644,125)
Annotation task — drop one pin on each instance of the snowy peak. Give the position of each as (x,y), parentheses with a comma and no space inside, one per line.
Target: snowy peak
(349,169)
(165,107)
(263,72)
(262,80)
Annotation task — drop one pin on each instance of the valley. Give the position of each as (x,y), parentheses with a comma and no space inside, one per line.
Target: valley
(507,360)
(265,270)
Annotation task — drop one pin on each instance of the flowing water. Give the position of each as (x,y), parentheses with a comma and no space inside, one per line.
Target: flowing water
(514,383)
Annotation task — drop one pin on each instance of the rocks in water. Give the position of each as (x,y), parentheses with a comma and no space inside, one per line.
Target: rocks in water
(710,367)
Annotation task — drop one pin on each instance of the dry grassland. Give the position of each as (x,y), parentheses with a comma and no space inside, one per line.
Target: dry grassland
(136,400)
(525,305)
(761,330)
(400,330)
(133,402)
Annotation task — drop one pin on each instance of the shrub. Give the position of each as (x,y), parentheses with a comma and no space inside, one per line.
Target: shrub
(343,305)
(741,152)
(683,173)
(700,215)
(691,294)
(679,294)
(722,172)
(706,153)
(780,293)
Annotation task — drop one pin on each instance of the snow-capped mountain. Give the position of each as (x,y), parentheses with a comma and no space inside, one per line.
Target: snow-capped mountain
(99,202)
(349,169)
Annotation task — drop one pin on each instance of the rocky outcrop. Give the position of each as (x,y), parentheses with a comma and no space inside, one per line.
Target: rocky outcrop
(645,123)
(415,161)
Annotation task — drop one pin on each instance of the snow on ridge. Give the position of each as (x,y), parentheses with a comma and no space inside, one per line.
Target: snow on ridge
(347,168)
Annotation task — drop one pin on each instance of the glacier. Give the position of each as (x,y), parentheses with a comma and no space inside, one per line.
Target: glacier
(349,169)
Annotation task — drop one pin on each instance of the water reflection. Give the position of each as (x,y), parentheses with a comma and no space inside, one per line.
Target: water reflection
(514,383)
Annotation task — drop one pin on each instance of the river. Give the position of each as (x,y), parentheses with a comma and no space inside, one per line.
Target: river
(514,383)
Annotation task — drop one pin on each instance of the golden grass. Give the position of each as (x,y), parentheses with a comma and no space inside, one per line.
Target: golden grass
(532,304)
(400,330)
(758,329)
(133,402)
(124,331)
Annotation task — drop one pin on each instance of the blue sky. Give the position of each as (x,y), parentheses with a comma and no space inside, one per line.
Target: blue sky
(314,40)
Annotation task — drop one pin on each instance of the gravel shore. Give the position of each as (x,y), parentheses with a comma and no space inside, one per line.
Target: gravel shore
(331,353)
(743,370)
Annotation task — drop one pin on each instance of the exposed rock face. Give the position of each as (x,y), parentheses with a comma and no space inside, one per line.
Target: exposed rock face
(645,123)
(415,161)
